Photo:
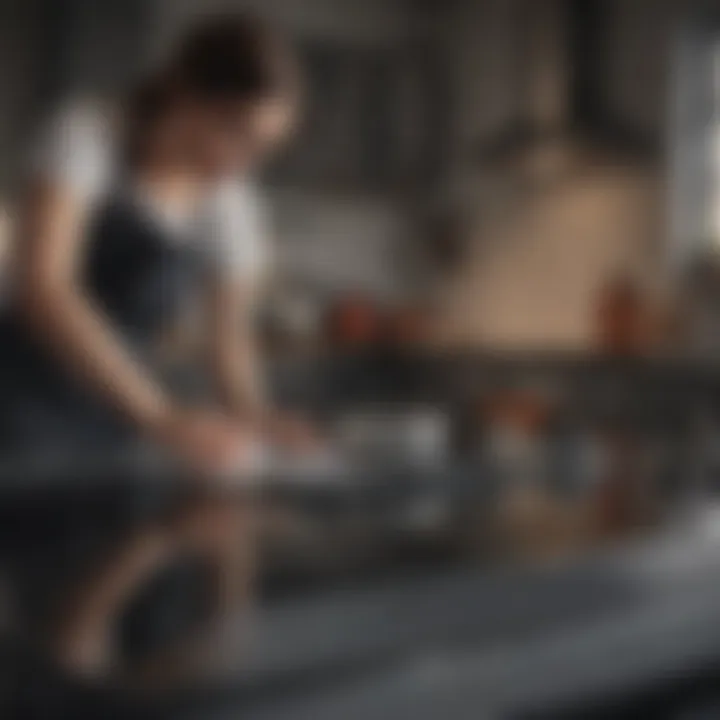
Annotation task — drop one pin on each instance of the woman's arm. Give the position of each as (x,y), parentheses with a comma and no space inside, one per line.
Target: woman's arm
(234,356)
(55,305)
(237,253)
(237,368)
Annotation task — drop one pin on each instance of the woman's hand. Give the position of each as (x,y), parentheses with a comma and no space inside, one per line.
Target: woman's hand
(291,433)
(210,442)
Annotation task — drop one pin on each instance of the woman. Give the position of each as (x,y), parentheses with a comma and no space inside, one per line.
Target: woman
(130,216)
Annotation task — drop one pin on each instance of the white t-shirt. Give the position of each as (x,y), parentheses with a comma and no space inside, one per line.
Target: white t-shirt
(79,151)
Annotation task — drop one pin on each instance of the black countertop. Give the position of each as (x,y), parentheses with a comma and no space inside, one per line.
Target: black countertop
(459,644)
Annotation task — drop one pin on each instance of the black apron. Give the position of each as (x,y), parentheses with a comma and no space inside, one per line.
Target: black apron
(56,525)
(141,280)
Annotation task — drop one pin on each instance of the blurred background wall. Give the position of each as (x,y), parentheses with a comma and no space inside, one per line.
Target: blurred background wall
(563,179)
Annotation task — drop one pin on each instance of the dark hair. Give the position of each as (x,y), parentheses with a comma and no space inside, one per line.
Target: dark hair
(226,57)
(233,56)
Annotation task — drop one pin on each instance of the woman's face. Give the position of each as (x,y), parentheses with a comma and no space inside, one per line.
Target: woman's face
(231,138)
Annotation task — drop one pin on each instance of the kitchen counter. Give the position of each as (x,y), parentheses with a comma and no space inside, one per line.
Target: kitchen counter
(459,644)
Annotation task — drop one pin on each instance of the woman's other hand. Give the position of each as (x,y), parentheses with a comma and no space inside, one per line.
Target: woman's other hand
(211,443)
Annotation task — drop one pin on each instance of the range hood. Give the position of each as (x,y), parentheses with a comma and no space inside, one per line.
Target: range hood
(548,138)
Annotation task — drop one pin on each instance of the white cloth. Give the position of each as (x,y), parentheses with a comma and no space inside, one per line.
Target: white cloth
(79,149)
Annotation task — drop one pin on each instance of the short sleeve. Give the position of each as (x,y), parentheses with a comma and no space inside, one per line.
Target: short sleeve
(235,235)
(75,150)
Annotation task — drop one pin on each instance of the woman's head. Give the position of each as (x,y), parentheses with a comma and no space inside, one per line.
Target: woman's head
(227,96)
